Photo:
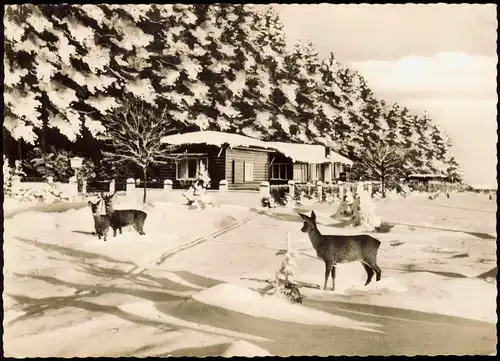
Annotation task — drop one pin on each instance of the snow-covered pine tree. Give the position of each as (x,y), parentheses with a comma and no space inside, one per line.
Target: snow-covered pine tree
(64,61)
(303,66)
(332,105)
(217,66)
(268,36)
(284,283)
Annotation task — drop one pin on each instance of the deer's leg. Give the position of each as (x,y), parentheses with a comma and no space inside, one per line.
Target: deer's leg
(138,228)
(114,232)
(333,277)
(369,272)
(120,229)
(328,270)
(378,271)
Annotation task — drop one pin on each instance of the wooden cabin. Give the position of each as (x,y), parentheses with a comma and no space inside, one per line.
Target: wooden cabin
(245,162)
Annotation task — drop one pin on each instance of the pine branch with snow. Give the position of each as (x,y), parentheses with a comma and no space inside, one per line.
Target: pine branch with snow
(284,283)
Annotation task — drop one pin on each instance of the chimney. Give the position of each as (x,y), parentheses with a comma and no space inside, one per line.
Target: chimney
(327,151)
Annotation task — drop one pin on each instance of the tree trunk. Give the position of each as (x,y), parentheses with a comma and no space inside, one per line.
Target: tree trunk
(43,138)
(145,178)
(19,149)
(383,185)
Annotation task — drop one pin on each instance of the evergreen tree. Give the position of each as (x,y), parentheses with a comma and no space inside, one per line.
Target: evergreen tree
(210,66)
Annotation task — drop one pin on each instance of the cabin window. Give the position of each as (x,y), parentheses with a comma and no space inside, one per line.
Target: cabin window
(314,172)
(248,174)
(300,172)
(279,171)
(187,168)
(319,173)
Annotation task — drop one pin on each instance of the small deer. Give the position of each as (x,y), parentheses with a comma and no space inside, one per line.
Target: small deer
(101,222)
(342,249)
(123,217)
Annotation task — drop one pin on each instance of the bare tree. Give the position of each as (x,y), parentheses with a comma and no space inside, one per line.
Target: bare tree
(381,162)
(135,131)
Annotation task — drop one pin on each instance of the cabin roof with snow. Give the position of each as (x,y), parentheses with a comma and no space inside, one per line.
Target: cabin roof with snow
(306,153)
(218,139)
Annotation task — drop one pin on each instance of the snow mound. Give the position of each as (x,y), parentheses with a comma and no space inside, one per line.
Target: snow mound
(244,349)
(80,219)
(243,300)
(33,220)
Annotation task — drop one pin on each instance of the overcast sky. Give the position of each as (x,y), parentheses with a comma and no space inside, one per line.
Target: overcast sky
(439,58)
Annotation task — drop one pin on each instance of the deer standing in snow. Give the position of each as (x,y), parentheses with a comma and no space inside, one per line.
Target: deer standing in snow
(334,249)
(123,217)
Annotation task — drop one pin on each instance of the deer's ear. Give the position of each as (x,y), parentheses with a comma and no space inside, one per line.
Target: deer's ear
(90,203)
(303,216)
(313,216)
(99,201)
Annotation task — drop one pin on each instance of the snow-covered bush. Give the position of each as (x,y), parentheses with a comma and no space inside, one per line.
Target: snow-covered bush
(56,164)
(434,195)
(364,211)
(345,207)
(197,193)
(267,202)
(51,194)
(9,176)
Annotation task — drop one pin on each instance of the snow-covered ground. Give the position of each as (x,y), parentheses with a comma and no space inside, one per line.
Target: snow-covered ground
(183,288)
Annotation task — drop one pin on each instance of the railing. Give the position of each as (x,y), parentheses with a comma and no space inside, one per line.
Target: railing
(96,186)
(154,183)
(33,180)
(312,191)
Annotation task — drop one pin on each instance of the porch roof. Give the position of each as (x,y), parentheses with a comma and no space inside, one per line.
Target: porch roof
(337,158)
(305,153)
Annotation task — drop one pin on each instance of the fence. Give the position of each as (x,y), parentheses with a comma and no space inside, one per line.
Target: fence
(434,186)
(319,191)
(154,184)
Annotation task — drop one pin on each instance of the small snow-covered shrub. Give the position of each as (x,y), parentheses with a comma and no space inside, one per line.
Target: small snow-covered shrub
(9,175)
(284,283)
(364,211)
(267,202)
(197,193)
(50,194)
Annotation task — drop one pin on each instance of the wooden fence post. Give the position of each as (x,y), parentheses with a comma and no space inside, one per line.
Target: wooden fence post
(74,184)
(112,186)
(223,186)
(319,186)
(291,188)
(265,189)
(130,185)
(369,185)
(167,185)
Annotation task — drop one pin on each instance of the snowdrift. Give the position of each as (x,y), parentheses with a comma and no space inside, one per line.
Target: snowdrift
(244,349)
(240,299)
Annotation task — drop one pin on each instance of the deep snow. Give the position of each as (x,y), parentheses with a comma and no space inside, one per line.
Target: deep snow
(65,291)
